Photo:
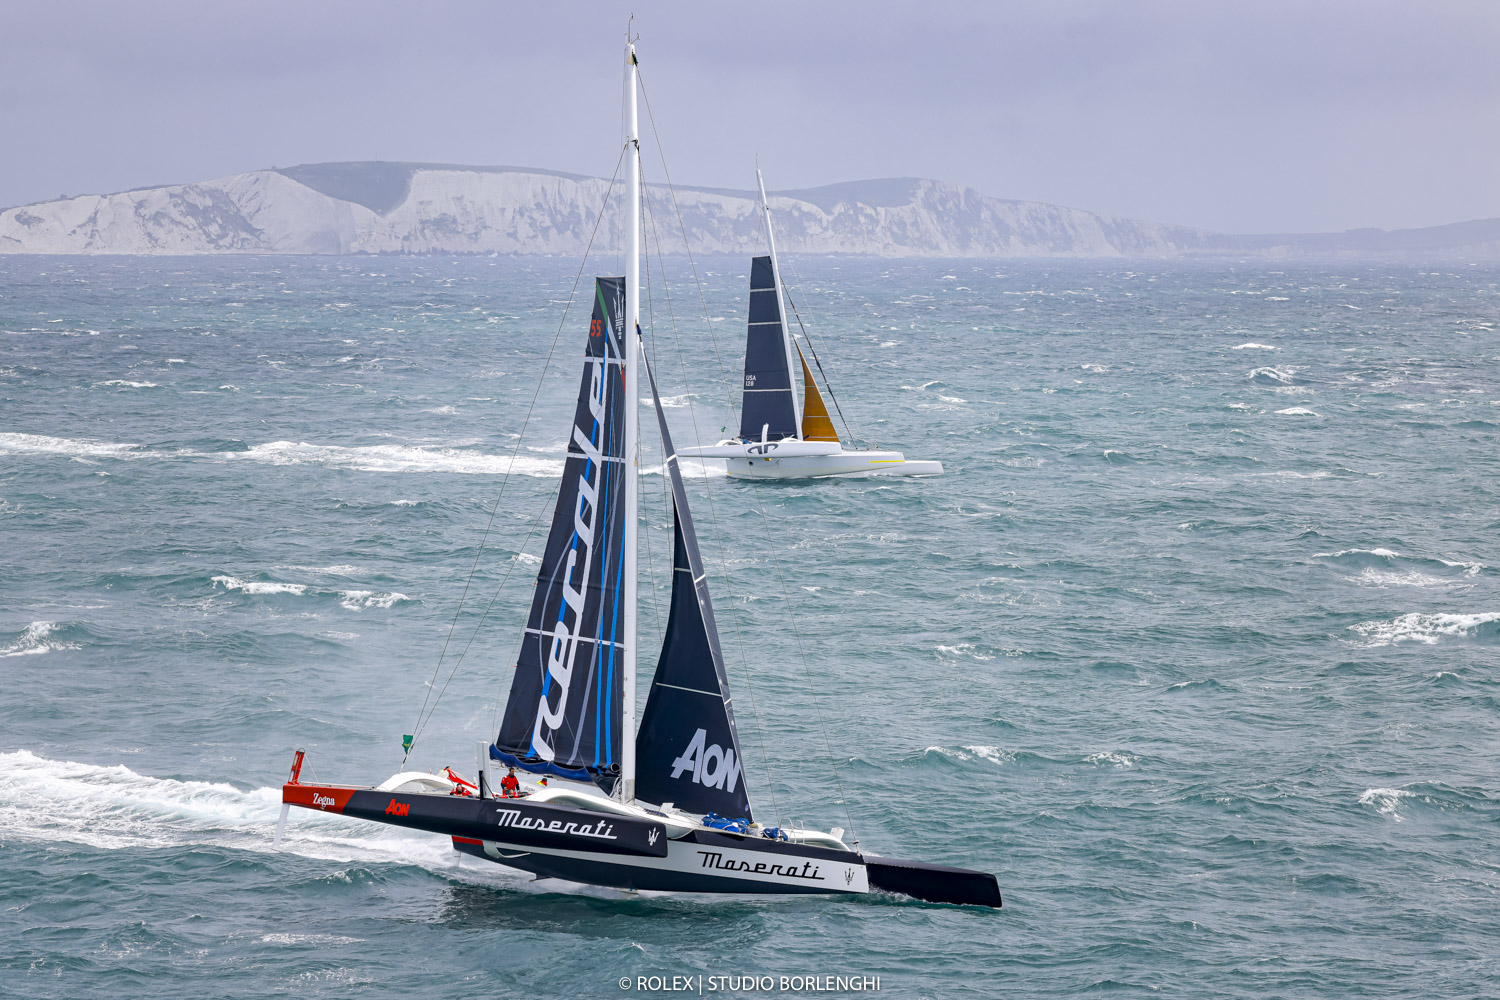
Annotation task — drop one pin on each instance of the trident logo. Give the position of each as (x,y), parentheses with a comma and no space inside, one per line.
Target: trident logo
(651,838)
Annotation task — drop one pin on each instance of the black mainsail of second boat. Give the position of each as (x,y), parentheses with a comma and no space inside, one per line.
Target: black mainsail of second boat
(769,407)
(564,706)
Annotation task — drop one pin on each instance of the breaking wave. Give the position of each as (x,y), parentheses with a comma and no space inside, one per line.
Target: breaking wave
(354,600)
(35,639)
(1429,628)
(1385,800)
(993,755)
(42,444)
(1381,567)
(397,458)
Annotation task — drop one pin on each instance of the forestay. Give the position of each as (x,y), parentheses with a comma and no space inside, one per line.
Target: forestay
(565,699)
(688,751)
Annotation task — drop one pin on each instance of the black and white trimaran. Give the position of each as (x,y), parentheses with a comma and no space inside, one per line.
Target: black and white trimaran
(780,439)
(661,807)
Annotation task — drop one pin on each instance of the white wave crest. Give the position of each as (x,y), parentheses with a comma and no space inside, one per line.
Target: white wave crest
(1423,628)
(260,586)
(353,600)
(1269,375)
(1385,800)
(691,468)
(1372,577)
(1382,553)
(356,599)
(993,755)
(1297,411)
(397,458)
(34,641)
(127,384)
(1252,346)
(964,650)
(367,458)
(1111,757)
(42,444)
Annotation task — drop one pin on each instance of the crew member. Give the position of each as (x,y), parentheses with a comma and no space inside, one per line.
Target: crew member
(509,785)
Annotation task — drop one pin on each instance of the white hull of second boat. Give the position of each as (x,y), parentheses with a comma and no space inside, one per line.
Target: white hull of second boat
(809,459)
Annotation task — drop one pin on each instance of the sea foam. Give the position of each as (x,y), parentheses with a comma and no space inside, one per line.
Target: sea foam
(1424,628)
(34,640)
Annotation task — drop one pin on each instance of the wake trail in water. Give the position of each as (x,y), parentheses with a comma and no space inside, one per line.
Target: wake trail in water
(114,808)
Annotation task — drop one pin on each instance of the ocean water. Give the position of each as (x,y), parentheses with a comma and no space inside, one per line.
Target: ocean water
(1196,645)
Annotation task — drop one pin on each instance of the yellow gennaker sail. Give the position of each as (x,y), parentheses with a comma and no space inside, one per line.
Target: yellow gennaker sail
(816,426)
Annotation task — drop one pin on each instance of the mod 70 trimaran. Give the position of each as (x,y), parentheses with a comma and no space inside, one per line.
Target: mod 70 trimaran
(779,439)
(664,807)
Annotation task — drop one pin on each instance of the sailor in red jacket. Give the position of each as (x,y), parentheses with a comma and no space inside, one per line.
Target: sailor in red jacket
(509,786)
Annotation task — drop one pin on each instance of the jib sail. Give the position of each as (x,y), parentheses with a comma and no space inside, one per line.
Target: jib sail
(687,752)
(564,705)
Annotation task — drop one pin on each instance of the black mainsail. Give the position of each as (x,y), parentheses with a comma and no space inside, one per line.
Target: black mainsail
(688,752)
(565,699)
(769,407)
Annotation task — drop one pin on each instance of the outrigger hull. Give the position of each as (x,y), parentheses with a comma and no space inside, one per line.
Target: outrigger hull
(610,849)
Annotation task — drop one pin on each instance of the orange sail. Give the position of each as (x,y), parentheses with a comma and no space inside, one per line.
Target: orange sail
(815,423)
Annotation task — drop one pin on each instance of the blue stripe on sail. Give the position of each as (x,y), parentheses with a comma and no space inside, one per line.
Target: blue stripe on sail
(599,622)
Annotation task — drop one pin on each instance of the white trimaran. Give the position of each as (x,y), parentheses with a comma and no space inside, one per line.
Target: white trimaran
(662,806)
(779,439)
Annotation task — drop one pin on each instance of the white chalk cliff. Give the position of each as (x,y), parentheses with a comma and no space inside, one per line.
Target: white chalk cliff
(356,208)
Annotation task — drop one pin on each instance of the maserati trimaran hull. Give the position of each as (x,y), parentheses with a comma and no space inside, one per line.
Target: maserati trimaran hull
(661,802)
(630,852)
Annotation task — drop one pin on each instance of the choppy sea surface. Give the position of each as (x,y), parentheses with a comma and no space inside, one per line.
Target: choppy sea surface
(1196,645)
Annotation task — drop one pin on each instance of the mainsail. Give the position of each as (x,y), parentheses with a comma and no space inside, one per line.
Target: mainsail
(816,424)
(564,705)
(769,408)
(688,752)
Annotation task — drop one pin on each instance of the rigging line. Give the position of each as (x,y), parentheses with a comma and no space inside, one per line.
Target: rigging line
(535,522)
(650,325)
(707,493)
(541,380)
(713,339)
(817,702)
(819,362)
(477,625)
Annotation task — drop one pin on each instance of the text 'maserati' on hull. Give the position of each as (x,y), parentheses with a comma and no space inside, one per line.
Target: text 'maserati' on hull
(591,795)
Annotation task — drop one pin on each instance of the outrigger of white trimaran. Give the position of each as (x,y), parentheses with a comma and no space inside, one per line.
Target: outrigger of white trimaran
(659,806)
(778,439)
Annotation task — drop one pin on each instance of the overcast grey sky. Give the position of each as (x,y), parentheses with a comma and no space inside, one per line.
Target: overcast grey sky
(1248,117)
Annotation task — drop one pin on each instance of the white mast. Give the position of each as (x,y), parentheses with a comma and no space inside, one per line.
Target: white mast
(786,333)
(632,420)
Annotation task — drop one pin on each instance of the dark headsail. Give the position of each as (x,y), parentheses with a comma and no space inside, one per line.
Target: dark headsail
(564,704)
(769,407)
(688,752)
